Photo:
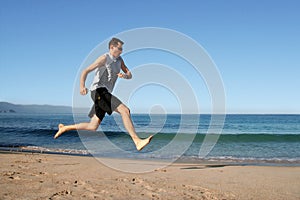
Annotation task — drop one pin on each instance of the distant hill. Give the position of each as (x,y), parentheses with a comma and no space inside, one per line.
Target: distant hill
(6,107)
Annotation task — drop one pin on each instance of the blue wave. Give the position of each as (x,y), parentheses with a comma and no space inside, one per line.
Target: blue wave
(259,138)
(236,137)
(241,137)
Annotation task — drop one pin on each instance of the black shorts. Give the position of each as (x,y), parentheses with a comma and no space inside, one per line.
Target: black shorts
(104,102)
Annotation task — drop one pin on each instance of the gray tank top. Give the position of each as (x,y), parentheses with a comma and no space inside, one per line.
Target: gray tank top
(106,76)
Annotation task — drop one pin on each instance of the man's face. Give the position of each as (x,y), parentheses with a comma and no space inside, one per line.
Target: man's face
(116,51)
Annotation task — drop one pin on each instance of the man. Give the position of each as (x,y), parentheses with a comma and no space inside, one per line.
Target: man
(108,67)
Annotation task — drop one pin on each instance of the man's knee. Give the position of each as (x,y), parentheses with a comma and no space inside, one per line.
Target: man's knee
(124,110)
(93,127)
(94,123)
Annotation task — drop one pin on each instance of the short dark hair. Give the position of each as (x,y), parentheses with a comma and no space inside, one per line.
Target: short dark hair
(114,42)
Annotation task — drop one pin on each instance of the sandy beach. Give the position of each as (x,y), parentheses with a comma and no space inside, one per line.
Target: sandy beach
(49,176)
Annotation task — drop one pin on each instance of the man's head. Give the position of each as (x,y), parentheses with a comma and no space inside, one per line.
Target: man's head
(115,47)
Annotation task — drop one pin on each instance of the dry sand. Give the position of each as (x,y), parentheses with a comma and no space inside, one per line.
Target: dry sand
(45,176)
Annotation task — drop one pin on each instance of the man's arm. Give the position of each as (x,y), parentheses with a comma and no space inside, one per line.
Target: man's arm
(127,74)
(98,63)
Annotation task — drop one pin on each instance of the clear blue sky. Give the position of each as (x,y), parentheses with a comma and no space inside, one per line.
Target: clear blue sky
(255,45)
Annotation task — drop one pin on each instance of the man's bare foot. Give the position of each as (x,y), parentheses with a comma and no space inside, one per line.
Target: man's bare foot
(142,143)
(60,131)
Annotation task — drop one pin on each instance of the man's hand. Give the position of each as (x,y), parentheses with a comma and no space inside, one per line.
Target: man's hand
(83,90)
(121,75)
(125,76)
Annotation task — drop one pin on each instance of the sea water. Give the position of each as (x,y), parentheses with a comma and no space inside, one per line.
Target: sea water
(243,138)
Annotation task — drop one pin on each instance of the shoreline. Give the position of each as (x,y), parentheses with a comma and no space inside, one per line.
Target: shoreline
(55,176)
(212,161)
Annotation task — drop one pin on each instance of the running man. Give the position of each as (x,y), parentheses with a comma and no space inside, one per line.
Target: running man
(108,67)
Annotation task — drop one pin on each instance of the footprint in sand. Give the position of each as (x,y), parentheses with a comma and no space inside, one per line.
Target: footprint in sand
(15,178)
(12,175)
(9,173)
(61,193)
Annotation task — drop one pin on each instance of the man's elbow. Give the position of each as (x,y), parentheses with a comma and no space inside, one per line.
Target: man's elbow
(129,75)
(87,70)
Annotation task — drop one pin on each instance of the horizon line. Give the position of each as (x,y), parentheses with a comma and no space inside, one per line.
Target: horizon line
(175,113)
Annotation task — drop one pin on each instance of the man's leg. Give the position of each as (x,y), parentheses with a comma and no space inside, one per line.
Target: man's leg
(90,126)
(125,113)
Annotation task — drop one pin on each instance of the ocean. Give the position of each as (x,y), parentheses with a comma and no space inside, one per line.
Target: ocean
(254,139)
